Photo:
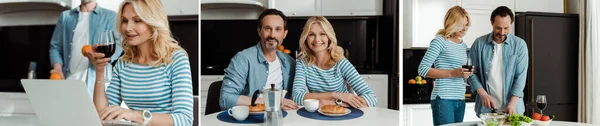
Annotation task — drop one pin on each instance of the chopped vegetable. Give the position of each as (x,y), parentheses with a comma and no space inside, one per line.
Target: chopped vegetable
(492,123)
(515,120)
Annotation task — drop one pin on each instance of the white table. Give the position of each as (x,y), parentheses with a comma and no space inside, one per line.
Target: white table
(372,117)
(30,120)
(553,123)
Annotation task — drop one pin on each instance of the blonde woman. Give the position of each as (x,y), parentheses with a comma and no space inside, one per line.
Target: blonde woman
(152,77)
(447,51)
(322,71)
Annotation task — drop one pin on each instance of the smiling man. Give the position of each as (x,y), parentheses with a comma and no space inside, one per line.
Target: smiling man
(500,61)
(258,67)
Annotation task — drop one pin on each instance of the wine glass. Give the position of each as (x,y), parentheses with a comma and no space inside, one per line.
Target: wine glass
(541,103)
(106,44)
(468,65)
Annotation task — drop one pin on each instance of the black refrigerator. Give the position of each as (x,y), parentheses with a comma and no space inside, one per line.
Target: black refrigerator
(553,43)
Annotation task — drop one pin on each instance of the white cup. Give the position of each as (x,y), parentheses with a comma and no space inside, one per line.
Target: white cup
(239,112)
(311,105)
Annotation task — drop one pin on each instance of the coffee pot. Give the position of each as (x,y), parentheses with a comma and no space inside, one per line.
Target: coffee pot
(273,99)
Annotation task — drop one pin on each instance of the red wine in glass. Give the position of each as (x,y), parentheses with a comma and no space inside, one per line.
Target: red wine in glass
(541,103)
(107,49)
(106,44)
(541,106)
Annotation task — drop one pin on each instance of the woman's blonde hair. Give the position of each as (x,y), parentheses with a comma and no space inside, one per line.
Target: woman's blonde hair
(163,44)
(336,52)
(452,21)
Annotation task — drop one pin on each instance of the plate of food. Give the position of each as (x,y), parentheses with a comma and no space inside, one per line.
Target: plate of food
(334,110)
(542,120)
(257,110)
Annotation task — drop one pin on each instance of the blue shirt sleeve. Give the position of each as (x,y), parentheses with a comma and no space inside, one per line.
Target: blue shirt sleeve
(521,69)
(234,81)
(56,42)
(475,59)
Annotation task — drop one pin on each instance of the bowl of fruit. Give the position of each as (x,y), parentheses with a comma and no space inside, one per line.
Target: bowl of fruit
(542,120)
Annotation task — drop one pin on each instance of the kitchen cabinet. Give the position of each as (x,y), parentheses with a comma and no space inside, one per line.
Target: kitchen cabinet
(421,114)
(205,81)
(351,7)
(180,7)
(480,25)
(555,6)
(297,8)
(307,8)
(423,18)
(171,7)
(487,4)
(379,84)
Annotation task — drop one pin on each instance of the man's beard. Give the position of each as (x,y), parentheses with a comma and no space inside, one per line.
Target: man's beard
(269,46)
(500,37)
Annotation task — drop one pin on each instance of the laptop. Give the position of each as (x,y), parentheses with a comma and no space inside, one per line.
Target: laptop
(64,103)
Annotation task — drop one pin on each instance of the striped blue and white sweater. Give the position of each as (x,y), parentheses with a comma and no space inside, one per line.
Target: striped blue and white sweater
(445,55)
(163,89)
(316,80)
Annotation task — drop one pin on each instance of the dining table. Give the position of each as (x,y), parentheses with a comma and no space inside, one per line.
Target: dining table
(372,116)
(552,123)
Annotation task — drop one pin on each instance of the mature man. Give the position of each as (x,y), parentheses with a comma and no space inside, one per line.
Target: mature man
(258,67)
(500,61)
(75,28)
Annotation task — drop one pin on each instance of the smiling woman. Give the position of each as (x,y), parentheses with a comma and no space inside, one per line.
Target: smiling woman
(323,73)
(153,76)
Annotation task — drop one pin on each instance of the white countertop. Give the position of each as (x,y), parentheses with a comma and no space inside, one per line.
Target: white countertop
(372,116)
(553,123)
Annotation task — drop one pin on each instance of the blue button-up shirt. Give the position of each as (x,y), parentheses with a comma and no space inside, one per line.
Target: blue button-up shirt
(248,72)
(101,19)
(515,61)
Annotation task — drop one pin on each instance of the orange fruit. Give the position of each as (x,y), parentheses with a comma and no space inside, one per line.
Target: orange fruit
(287,51)
(86,48)
(423,81)
(280,47)
(412,81)
(55,76)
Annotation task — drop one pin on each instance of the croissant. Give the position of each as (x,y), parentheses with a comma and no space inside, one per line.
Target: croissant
(257,108)
(333,109)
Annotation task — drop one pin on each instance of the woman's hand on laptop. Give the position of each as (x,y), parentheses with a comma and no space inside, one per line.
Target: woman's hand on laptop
(98,60)
(117,113)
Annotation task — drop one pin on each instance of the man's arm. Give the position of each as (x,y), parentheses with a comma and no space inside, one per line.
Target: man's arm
(474,80)
(56,44)
(521,64)
(234,82)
